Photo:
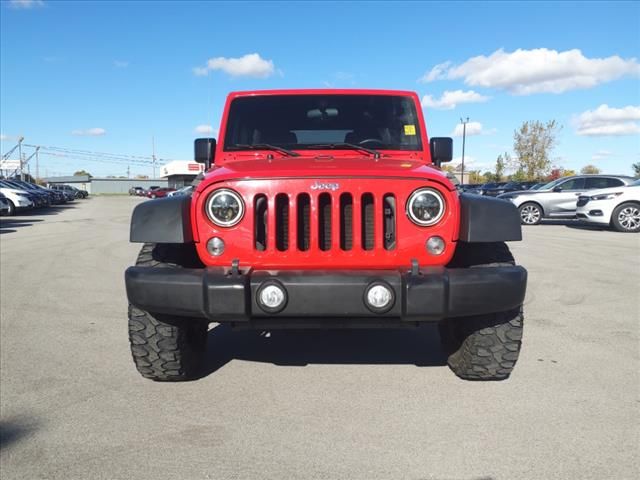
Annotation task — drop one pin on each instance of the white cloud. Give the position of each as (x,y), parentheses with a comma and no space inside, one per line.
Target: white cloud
(4,137)
(250,65)
(524,72)
(120,64)
(205,130)
(606,120)
(601,155)
(450,99)
(473,128)
(89,132)
(25,4)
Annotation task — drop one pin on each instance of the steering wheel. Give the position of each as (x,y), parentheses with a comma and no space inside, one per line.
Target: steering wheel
(371,140)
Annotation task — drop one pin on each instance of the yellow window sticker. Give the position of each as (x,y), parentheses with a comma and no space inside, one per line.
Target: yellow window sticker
(409,129)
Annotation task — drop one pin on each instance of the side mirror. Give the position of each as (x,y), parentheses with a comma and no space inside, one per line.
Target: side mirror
(557,189)
(205,151)
(441,150)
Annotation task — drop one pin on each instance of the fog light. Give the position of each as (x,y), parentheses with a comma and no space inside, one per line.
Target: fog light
(215,246)
(272,297)
(379,297)
(435,245)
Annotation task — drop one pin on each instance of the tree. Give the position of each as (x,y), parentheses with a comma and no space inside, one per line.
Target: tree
(449,168)
(500,164)
(142,177)
(488,177)
(81,172)
(587,169)
(475,177)
(533,143)
(636,169)
(568,173)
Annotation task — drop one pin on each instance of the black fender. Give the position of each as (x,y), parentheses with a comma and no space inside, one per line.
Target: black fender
(487,219)
(164,220)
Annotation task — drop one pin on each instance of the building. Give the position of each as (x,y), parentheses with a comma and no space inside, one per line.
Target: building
(180,173)
(98,185)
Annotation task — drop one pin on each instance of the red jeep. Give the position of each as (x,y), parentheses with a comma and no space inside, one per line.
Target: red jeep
(325,209)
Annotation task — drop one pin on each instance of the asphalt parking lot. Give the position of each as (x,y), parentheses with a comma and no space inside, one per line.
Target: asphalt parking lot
(316,405)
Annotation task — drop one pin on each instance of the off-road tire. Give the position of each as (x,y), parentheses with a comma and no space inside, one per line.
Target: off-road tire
(483,347)
(530,213)
(633,208)
(164,347)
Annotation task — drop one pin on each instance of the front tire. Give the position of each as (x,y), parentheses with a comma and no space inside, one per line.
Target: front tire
(530,213)
(626,217)
(165,347)
(12,208)
(483,347)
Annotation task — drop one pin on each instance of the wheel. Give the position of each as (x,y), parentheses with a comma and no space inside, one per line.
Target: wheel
(626,217)
(164,347)
(483,347)
(12,208)
(530,213)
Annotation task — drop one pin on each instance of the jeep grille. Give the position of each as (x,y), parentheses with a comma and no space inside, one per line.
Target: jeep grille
(328,217)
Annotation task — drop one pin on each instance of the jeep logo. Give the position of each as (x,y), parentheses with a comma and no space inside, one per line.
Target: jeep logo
(325,186)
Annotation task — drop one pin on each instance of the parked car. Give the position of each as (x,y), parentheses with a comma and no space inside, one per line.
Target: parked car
(4,205)
(273,239)
(40,199)
(188,190)
(145,193)
(508,187)
(136,191)
(58,197)
(46,197)
(537,186)
(18,199)
(68,193)
(618,207)
(557,199)
(490,186)
(160,192)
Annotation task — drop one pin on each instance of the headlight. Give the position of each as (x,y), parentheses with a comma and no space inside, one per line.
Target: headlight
(425,207)
(225,208)
(606,196)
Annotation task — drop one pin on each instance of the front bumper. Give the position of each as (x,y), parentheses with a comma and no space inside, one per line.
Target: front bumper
(429,294)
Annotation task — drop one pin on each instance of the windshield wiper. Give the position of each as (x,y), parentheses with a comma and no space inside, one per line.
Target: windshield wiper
(352,146)
(266,146)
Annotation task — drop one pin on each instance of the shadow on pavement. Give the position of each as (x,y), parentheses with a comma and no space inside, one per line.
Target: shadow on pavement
(574,223)
(13,430)
(8,225)
(412,346)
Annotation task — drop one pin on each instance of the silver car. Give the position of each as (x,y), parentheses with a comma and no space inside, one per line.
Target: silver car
(557,199)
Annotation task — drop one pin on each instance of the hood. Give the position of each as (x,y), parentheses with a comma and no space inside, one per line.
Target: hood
(323,167)
(13,190)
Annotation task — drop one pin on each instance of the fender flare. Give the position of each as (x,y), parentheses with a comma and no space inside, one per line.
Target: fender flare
(164,220)
(487,219)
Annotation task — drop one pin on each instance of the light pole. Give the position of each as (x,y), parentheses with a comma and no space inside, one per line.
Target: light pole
(464,137)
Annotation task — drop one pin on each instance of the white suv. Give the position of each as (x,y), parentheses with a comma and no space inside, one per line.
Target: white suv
(18,199)
(617,206)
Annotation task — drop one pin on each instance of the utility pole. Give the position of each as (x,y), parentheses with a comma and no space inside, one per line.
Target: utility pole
(464,136)
(153,155)
(37,165)
(128,171)
(20,158)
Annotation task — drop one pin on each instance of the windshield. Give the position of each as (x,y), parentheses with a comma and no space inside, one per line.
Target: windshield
(552,184)
(636,183)
(299,122)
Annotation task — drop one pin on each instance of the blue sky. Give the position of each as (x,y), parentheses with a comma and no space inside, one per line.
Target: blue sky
(109,76)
